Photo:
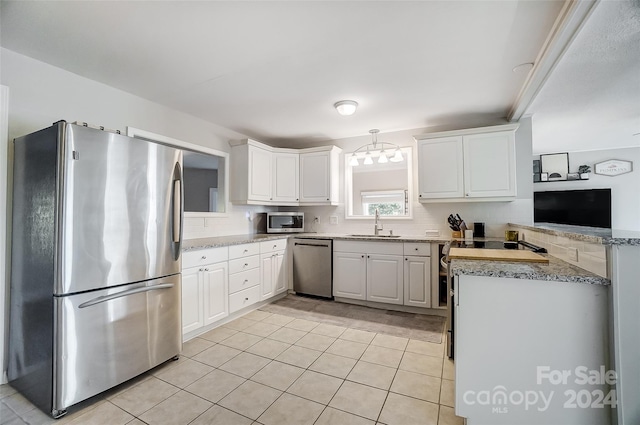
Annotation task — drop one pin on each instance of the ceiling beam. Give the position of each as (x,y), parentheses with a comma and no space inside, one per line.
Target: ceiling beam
(571,19)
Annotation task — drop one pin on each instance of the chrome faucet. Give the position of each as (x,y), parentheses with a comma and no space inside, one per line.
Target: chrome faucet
(378,226)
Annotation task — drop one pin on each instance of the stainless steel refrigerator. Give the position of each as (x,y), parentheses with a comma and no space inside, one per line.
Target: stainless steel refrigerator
(95,269)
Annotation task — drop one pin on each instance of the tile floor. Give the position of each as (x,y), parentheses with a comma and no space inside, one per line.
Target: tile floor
(273,369)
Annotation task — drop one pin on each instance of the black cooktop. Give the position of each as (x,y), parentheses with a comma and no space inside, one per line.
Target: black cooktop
(497,245)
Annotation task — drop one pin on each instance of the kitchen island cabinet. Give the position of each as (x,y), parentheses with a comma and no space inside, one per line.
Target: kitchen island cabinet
(531,331)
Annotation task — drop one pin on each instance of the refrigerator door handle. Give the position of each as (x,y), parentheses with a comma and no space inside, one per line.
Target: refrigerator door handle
(105,298)
(177,209)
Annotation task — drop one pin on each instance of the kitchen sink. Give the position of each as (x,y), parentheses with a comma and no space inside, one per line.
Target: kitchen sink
(375,236)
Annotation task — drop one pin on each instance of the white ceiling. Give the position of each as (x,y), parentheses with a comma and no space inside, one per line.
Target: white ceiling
(592,99)
(272,70)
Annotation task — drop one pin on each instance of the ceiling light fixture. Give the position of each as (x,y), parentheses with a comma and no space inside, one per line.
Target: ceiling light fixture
(523,67)
(346,107)
(383,156)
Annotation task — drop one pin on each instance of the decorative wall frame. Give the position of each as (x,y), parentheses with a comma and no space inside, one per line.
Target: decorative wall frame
(556,165)
(613,167)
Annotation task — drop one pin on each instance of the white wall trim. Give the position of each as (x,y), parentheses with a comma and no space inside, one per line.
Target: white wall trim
(570,21)
(4,277)
(148,135)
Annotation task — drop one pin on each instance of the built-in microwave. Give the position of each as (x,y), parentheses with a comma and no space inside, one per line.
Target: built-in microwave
(282,222)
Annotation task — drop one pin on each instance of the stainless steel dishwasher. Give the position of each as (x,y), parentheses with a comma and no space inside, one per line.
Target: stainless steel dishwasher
(313,267)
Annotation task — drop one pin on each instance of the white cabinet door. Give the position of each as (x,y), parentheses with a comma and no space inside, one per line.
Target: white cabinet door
(440,168)
(350,275)
(192,314)
(260,163)
(215,294)
(315,177)
(279,272)
(268,284)
(489,165)
(417,281)
(384,278)
(286,177)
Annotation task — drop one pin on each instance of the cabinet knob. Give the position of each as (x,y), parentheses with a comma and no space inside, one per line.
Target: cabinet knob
(246,299)
(297,199)
(206,270)
(246,250)
(245,281)
(204,257)
(245,265)
(467,194)
(406,259)
(416,249)
(419,196)
(201,270)
(363,256)
(368,256)
(327,199)
(275,246)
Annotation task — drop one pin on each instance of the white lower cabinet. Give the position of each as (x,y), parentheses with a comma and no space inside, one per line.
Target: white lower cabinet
(349,275)
(417,274)
(274,280)
(370,271)
(384,278)
(205,297)
(385,272)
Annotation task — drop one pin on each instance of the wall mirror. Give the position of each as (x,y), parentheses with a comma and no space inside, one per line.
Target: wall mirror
(205,174)
(386,186)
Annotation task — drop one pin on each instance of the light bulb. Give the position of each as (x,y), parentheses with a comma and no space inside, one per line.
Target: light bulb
(382,159)
(397,157)
(354,161)
(367,159)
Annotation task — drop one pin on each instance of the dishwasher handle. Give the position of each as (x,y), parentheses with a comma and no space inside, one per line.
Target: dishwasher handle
(310,244)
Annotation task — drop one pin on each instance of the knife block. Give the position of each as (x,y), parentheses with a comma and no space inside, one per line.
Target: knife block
(456,235)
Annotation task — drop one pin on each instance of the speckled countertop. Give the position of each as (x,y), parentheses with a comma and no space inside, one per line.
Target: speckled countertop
(586,234)
(557,270)
(220,241)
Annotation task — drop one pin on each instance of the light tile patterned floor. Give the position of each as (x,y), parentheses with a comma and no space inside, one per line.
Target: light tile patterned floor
(272,369)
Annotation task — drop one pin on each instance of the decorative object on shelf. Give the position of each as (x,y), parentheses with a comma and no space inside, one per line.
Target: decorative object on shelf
(544,177)
(346,107)
(536,170)
(584,171)
(614,167)
(556,165)
(395,155)
(574,176)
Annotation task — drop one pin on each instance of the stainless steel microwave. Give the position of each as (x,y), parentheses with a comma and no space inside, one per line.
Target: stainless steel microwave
(282,222)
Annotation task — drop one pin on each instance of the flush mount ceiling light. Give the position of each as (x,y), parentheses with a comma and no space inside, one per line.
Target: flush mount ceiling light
(346,107)
(372,150)
(523,67)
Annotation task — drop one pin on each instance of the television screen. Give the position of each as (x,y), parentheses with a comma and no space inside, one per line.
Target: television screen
(590,207)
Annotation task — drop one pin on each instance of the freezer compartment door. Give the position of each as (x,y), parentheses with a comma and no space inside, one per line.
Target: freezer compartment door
(106,337)
(122,210)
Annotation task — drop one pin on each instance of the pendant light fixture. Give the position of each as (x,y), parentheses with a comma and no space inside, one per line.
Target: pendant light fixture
(384,155)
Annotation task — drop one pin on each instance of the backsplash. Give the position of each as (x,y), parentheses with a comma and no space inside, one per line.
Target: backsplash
(496,215)
(235,222)
(590,256)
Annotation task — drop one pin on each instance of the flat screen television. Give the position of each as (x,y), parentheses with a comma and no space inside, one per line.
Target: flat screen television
(591,207)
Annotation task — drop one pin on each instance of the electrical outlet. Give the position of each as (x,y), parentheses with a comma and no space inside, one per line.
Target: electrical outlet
(316,220)
(572,253)
(333,219)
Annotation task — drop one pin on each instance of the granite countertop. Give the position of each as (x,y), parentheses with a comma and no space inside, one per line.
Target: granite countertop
(557,270)
(220,241)
(586,234)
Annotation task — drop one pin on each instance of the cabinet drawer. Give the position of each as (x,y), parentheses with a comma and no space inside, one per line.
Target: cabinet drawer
(244,298)
(244,280)
(244,250)
(204,256)
(243,264)
(419,249)
(274,245)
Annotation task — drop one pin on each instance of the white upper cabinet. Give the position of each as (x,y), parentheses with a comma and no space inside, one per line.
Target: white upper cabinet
(319,176)
(475,164)
(490,165)
(259,169)
(263,175)
(286,177)
(440,168)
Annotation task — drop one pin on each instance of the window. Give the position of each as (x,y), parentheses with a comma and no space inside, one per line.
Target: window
(388,202)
